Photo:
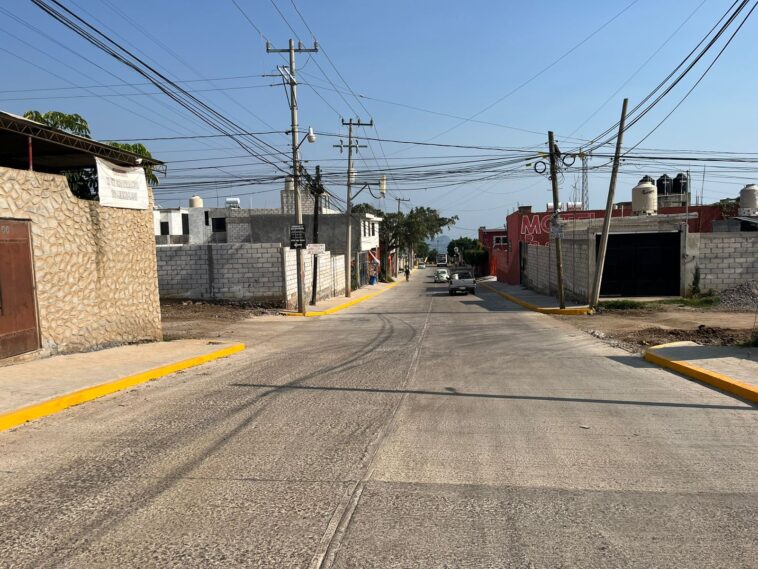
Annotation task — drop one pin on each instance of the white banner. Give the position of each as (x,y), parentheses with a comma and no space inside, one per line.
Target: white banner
(121,186)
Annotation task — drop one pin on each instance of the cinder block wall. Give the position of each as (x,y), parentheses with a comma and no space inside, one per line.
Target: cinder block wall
(541,273)
(256,272)
(727,259)
(222,271)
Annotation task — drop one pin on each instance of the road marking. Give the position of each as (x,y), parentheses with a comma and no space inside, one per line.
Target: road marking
(57,404)
(578,311)
(344,305)
(343,514)
(712,378)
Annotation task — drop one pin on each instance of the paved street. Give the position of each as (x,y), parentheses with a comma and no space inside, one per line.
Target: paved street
(413,430)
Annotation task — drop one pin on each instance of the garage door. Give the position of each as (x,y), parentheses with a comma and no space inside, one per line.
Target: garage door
(18,308)
(641,264)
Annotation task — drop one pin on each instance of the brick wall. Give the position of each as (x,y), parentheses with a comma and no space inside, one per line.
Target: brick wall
(727,259)
(331,276)
(541,274)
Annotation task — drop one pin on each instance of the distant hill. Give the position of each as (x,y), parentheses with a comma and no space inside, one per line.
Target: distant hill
(440,242)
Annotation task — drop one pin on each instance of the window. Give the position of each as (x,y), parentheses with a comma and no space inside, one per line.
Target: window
(207,218)
(373,229)
(164,228)
(219,225)
(185,224)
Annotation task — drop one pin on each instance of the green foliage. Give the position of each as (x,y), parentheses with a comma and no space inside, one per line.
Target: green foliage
(752,342)
(83,181)
(74,124)
(476,257)
(139,148)
(706,301)
(463,244)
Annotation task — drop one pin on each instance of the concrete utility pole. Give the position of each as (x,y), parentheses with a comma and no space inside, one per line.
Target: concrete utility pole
(317,189)
(556,218)
(600,263)
(349,208)
(397,254)
(295,158)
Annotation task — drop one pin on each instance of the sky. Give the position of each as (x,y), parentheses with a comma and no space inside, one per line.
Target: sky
(518,69)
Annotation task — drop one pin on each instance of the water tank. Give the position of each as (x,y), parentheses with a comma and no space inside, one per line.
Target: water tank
(680,184)
(196,201)
(664,185)
(233,203)
(645,199)
(289,184)
(647,179)
(749,200)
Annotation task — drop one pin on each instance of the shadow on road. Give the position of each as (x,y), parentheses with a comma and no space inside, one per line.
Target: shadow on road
(453,393)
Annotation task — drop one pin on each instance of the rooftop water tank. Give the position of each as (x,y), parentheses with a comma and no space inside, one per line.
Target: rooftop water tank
(664,184)
(196,201)
(749,200)
(289,184)
(680,184)
(647,179)
(645,199)
(233,203)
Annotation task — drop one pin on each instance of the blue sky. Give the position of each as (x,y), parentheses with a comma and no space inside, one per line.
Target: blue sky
(450,57)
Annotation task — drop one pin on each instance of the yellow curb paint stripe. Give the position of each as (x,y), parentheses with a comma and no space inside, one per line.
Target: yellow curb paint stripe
(57,404)
(533,307)
(717,380)
(344,305)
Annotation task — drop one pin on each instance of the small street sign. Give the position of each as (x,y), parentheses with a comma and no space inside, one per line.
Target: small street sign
(315,248)
(297,236)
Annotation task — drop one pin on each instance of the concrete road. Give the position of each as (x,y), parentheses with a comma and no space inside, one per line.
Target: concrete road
(413,430)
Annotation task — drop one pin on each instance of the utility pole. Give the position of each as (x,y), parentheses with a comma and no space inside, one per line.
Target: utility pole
(397,253)
(295,157)
(555,226)
(349,208)
(585,180)
(317,189)
(600,263)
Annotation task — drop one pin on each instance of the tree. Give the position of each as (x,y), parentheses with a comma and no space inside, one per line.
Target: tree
(83,181)
(463,244)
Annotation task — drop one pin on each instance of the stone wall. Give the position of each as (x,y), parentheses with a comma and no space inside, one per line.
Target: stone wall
(255,272)
(727,259)
(94,266)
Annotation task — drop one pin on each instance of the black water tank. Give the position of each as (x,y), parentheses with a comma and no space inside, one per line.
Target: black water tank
(646,179)
(664,185)
(680,184)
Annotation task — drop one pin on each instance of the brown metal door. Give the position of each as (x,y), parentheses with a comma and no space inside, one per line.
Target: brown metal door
(18,308)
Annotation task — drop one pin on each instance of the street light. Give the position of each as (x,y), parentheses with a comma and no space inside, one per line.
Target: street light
(310,136)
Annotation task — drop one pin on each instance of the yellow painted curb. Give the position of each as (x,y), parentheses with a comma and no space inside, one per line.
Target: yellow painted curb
(344,305)
(57,404)
(712,378)
(533,307)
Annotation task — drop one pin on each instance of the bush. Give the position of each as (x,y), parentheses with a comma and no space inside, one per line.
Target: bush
(622,304)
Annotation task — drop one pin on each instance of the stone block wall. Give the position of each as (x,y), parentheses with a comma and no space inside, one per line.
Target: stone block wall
(541,273)
(94,266)
(727,259)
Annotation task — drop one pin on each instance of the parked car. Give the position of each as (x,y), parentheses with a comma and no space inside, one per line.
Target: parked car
(422,265)
(461,281)
(441,276)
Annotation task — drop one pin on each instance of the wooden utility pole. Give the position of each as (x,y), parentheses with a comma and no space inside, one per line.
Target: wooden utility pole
(555,224)
(600,261)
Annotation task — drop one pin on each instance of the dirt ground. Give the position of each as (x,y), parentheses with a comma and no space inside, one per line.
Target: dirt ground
(639,328)
(192,319)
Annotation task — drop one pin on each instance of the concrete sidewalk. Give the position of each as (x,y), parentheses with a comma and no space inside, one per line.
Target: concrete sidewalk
(729,368)
(61,381)
(336,303)
(532,300)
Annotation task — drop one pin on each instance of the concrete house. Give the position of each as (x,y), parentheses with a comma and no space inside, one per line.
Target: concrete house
(75,274)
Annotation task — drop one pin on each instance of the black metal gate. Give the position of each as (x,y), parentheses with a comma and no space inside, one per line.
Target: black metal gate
(642,264)
(19,332)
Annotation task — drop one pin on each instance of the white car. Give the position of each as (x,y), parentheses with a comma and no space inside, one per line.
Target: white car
(441,276)
(422,265)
